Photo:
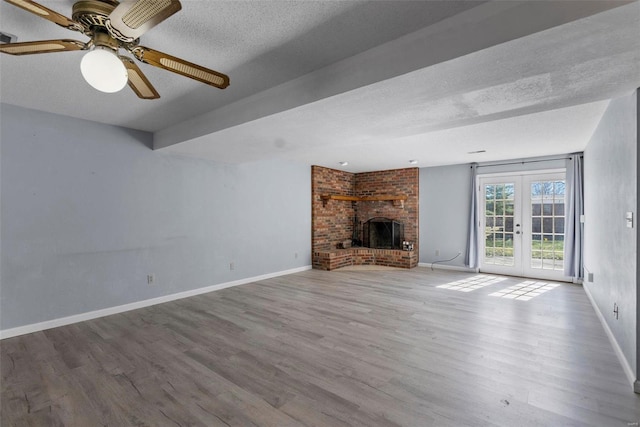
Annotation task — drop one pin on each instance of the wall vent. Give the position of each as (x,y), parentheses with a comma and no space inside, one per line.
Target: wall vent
(7,38)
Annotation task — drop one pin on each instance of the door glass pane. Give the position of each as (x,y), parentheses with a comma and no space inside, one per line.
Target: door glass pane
(536,209)
(509,192)
(498,220)
(536,189)
(508,208)
(547,225)
(508,224)
(536,242)
(536,224)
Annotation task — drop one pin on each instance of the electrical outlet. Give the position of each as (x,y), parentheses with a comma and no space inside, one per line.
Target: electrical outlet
(151,279)
(231,266)
(437,252)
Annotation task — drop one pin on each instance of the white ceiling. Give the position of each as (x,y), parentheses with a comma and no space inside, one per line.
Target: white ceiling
(375,83)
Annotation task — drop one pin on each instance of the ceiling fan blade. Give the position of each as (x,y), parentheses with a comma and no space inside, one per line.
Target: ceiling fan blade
(43,12)
(180,66)
(138,82)
(42,46)
(132,18)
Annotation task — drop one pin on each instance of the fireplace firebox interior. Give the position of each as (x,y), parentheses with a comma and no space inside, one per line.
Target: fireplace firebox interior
(382,233)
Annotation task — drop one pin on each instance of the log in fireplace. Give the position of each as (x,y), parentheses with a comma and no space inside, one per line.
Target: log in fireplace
(382,233)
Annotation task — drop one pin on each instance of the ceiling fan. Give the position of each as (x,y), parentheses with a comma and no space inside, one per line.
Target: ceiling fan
(112,26)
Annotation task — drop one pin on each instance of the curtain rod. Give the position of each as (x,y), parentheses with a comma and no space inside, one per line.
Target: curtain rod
(525,161)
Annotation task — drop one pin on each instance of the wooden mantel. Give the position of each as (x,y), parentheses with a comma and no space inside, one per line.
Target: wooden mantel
(383,197)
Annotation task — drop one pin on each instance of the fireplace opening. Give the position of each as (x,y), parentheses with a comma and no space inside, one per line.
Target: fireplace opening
(382,233)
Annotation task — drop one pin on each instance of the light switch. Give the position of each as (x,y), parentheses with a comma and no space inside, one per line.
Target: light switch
(629,218)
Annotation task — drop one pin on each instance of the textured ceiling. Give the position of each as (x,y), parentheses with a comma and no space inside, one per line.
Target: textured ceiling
(375,83)
(259,44)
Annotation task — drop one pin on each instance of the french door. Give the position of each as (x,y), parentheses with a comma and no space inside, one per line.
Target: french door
(522,225)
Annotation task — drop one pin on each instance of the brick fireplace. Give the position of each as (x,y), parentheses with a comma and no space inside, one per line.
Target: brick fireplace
(343,202)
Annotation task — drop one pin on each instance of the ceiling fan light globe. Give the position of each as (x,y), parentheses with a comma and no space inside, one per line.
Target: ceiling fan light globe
(103,70)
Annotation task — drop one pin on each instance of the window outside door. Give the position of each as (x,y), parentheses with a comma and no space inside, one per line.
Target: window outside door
(522,225)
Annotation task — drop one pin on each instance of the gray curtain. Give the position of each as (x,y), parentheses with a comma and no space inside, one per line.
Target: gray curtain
(575,209)
(472,259)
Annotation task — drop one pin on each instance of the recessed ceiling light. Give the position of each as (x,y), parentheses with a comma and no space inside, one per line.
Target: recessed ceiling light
(477,152)
(343,163)
(413,162)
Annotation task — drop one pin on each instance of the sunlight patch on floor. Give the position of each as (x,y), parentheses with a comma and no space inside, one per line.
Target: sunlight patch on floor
(472,283)
(525,291)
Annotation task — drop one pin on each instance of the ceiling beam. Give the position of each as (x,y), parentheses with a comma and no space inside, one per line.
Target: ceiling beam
(484,26)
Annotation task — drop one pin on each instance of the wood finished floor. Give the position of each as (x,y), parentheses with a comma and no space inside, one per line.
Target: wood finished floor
(356,348)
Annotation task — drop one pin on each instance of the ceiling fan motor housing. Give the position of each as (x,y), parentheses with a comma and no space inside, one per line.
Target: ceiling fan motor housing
(93,15)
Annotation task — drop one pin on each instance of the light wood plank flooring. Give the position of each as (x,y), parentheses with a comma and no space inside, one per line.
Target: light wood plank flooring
(340,348)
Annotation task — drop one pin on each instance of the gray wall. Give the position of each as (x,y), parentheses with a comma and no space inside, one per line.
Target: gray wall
(444,213)
(610,164)
(445,199)
(87,211)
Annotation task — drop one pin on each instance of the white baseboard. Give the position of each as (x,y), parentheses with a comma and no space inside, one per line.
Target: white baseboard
(631,377)
(54,323)
(447,267)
